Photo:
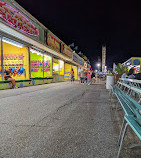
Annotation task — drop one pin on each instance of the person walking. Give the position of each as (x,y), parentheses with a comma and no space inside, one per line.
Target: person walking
(82,76)
(88,78)
(93,77)
(72,75)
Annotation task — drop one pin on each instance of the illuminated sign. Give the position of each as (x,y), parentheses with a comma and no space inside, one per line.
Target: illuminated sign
(75,58)
(78,60)
(136,62)
(53,42)
(81,62)
(85,65)
(67,51)
(17,19)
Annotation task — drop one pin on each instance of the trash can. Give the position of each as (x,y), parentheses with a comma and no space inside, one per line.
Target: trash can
(109,81)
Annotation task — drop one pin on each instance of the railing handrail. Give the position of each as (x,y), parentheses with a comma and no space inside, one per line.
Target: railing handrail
(131,80)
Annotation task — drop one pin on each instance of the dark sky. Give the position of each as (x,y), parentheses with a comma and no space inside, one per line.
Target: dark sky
(91,23)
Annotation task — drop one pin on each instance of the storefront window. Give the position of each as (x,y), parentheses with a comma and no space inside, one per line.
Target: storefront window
(58,67)
(36,63)
(55,66)
(15,55)
(61,67)
(67,71)
(75,72)
(68,68)
(47,66)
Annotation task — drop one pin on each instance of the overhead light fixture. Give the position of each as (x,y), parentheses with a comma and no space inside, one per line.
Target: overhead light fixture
(14,43)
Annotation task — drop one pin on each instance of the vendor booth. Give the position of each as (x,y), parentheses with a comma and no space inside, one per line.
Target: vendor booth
(34,53)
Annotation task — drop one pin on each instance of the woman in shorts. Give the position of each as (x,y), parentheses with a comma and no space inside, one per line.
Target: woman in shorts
(7,76)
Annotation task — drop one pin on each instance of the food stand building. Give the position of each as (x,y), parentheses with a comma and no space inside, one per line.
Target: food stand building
(34,53)
(134,62)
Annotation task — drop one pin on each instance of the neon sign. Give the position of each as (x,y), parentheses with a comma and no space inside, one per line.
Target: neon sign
(17,19)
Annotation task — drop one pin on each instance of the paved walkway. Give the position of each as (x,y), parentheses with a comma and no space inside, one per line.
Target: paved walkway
(59,120)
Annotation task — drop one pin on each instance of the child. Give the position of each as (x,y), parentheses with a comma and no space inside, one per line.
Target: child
(88,77)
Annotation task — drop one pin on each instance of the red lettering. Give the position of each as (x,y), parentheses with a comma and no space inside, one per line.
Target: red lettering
(32,31)
(3,13)
(32,26)
(36,32)
(24,22)
(49,40)
(20,18)
(16,16)
(1,4)
(15,21)
(20,25)
(11,15)
(29,25)
(10,11)
(57,44)
(9,18)
(27,28)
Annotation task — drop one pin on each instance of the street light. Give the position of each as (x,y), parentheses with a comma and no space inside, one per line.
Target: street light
(98,65)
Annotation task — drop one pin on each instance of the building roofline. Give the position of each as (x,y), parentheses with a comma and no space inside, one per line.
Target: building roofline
(129,60)
(32,17)
(37,21)
(27,13)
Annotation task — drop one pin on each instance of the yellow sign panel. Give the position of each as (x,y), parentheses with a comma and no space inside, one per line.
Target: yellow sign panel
(53,42)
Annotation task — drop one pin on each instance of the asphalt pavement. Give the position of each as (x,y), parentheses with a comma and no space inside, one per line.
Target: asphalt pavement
(58,120)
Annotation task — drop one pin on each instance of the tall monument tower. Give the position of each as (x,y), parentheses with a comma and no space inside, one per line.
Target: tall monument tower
(103,58)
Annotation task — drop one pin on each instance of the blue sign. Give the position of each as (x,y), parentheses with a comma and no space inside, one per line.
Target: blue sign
(75,58)
(81,62)
(136,62)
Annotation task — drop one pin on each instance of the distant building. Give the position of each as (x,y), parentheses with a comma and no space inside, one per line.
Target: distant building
(103,58)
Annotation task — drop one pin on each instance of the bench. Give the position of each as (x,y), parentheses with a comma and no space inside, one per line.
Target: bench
(37,78)
(130,121)
(19,83)
(131,108)
(132,85)
(41,80)
(24,83)
(7,81)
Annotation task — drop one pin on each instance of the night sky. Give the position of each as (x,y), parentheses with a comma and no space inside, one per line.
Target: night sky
(91,23)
